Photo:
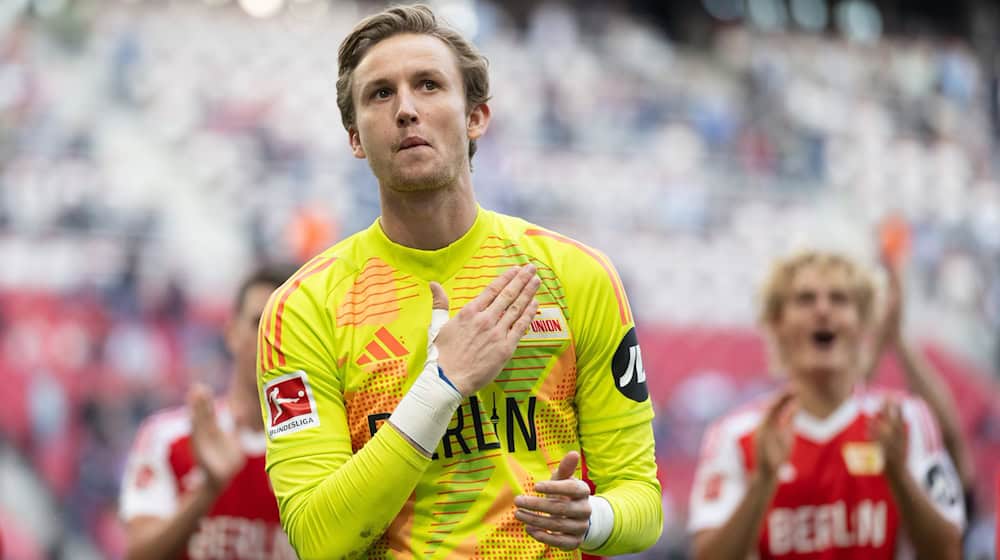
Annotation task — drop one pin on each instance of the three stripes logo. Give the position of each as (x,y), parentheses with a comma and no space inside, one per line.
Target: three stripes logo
(383,347)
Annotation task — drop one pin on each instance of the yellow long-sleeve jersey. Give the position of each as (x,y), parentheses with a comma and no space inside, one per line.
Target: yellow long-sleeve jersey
(342,341)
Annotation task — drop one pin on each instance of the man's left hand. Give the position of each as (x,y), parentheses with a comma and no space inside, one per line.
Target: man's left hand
(561,517)
(889,429)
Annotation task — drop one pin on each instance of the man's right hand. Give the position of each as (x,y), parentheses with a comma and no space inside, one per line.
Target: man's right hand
(474,345)
(218,454)
(774,437)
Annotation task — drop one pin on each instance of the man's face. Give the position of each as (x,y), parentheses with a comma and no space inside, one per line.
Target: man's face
(819,330)
(241,334)
(411,119)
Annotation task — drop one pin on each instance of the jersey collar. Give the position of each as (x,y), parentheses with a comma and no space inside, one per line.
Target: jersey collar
(821,430)
(439,264)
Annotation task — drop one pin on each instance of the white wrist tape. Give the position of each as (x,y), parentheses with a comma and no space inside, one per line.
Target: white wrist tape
(425,411)
(602,521)
(438,318)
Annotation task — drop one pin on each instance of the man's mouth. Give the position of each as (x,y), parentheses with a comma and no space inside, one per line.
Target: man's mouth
(412,142)
(823,338)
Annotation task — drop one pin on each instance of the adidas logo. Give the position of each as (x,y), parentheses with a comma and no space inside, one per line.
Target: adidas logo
(383,347)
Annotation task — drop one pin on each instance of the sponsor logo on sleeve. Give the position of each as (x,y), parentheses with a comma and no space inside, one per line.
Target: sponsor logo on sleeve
(290,405)
(942,485)
(713,487)
(626,367)
(144,476)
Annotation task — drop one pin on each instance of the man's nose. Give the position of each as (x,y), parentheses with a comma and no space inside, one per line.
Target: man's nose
(406,112)
(823,306)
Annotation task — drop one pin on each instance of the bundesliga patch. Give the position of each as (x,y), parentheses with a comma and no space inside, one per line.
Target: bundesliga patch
(290,405)
(548,324)
(863,458)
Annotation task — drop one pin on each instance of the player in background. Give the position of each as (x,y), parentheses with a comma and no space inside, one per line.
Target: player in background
(194,484)
(824,470)
(922,378)
(468,435)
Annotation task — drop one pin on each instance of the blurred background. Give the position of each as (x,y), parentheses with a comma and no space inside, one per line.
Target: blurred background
(153,151)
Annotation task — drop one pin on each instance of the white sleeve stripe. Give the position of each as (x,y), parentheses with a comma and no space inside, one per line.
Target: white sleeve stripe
(924,422)
(723,465)
(152,508)
(149,458)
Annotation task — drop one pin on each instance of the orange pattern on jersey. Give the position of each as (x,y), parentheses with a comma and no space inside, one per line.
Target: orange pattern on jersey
(623,309)
(556,420)
(507,537)
(498,256)
(382,391)
(374,298)
(268,341)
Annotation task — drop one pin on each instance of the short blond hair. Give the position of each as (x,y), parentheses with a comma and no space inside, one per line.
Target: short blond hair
(775,290)
(420,20)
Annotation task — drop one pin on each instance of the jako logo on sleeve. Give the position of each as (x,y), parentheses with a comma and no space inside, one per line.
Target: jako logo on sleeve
(626,367)
(290,405)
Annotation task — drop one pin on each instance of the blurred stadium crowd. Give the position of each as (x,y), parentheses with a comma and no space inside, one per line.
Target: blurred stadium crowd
(152,152)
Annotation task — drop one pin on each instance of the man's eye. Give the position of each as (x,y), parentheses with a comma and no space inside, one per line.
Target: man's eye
(840,298)
(430,84)
(382,93)
(804,298)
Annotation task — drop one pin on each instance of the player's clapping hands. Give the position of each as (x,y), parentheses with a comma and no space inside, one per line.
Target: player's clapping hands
(561,516)
(773,439)
(218,454)
(889,430)
(474,345)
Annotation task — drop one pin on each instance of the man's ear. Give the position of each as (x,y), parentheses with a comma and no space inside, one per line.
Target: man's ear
(478,121)
(356,148)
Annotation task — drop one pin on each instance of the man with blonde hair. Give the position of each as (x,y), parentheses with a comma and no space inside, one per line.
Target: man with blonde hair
(824,470)
(465,439)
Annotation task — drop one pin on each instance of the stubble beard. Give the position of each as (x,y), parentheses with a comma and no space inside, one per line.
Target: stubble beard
(411,181)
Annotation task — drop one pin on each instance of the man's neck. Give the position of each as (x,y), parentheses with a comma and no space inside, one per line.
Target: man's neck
(428,220)
(820,399)
(244,405)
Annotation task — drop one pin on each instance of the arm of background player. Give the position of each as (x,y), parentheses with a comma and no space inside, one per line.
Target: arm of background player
(155,538)
(739,534)
(922,479)
(932,535)
(925,381)
(922,378)
(727,518)
(157,524)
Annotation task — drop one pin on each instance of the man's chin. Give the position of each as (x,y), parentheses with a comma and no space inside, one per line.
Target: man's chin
(418,182)
(825,369)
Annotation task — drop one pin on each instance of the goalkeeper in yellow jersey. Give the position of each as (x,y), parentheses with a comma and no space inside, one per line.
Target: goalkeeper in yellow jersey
(432,386)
